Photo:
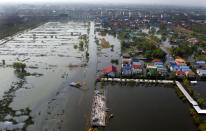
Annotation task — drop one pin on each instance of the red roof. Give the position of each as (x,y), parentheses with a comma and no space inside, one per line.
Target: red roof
(126,60)
(110,69)
(137,67)
(180,73)
(156,60)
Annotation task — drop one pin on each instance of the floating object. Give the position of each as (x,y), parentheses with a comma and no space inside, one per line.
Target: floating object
(111,116)
(193,82)
(75,84)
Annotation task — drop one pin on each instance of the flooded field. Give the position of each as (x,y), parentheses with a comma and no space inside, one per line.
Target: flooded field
(41,98)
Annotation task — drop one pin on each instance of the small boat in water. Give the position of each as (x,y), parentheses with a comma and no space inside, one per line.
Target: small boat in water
(76,84)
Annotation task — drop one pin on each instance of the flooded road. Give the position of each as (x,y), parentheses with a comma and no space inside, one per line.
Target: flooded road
(48,52)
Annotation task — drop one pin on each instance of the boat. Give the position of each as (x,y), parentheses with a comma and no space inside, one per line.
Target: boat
(76,84)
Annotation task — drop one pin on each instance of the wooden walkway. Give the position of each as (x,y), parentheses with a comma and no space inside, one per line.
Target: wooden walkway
(138,80)
(190,99)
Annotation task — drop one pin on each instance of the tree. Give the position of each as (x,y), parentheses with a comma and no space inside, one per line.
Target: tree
(3,62)
(185,82)
(158,53)
(201,101)
(81,44)
(172,75)
(75,46)
(112,47)
(202,127)
(19,66)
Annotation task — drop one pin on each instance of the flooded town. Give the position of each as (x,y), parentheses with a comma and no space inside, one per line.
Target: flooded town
(102,67)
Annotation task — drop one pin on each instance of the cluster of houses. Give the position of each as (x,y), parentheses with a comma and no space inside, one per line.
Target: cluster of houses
(200,67)
(157,67)
(180,67)
(192,40)
(131,66)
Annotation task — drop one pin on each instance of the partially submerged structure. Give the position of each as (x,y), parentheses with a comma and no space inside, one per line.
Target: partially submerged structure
(110,71)
(98,114)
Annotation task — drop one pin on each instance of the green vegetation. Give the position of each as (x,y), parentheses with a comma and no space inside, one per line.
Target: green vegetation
(19,66)
(198,28)
(112,47)
(101,84)
(115,61)
(75,46)
(15,25)
(195,116)
(97,41)
(202,126)
(81,44)
(183,50)
(3,62)
(150,51)
(180,94)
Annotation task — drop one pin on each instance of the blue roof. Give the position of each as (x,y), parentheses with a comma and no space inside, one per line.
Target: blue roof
(172,61)
(104,20)
(119,29)
(186,70)
(140,30)
(131,35)
(198,48)
(158,63)
(128,67)
(126,72)
(200,62)
(184,67)
(126,40)
(174,66)
(135,59)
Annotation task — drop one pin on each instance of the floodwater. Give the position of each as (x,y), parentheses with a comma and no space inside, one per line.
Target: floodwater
(147,108)
(48,51)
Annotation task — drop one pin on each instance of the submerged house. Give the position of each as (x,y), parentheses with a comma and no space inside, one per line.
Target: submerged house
(126,56)
(127,70)
(156,60)
(201,72)
(185,68)
(137,69)
(174,68)
(135,60)
(190,74)
(110,71)
(180,73)
(162,71)
(180,62)
(126,61)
